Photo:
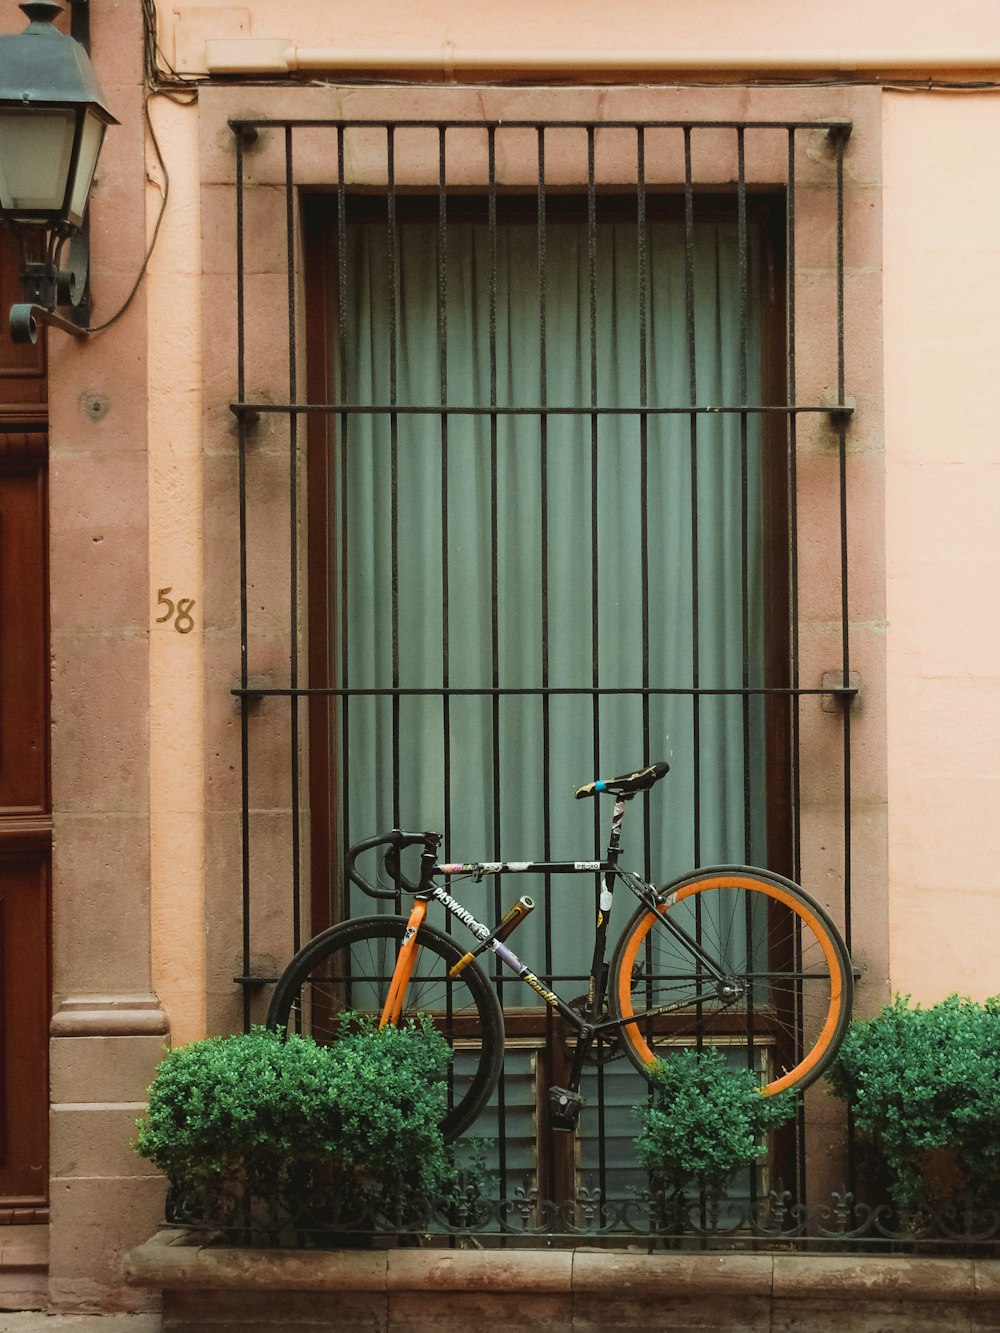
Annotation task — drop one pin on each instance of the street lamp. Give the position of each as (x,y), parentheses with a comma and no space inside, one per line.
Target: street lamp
(52,123)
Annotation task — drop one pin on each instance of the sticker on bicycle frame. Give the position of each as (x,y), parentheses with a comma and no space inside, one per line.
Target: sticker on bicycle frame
(491,867)
(518,865)
(586,865)
(607,900)
(511,959)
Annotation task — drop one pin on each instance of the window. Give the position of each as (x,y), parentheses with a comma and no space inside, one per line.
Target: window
(547,487)
(537,558)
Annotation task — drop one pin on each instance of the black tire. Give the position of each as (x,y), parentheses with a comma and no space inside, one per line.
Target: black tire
(786,1001)
(349,967)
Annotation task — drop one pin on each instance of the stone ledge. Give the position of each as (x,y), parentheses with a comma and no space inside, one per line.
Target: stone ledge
(597,1273)
(109,1016)
(177,1260)
(878,1277)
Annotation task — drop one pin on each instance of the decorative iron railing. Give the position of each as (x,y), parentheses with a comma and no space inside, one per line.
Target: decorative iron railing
(656,1220)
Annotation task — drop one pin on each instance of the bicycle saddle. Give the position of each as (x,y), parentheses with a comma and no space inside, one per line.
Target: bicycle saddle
(628,784)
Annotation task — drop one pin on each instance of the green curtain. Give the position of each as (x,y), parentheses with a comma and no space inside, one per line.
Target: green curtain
(455,488)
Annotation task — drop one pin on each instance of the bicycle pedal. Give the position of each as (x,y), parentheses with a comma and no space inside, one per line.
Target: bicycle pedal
(564,1108)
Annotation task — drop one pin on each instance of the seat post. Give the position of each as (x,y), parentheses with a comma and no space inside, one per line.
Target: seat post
(599,967)
(617,819)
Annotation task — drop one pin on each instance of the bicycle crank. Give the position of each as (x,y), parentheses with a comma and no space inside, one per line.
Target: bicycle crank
(600,1049)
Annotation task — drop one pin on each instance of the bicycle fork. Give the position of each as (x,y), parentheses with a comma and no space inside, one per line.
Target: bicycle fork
(490,939)
(392,1010)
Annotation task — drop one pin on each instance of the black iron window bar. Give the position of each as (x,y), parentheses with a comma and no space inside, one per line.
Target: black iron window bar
(249,410)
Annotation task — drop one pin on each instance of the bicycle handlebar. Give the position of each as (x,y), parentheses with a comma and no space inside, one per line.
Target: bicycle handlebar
(396,840)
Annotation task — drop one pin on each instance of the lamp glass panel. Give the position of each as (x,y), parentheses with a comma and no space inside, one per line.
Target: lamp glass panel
(90,146)
(36,151)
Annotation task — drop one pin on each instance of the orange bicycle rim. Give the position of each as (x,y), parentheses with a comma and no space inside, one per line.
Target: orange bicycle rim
(779,894)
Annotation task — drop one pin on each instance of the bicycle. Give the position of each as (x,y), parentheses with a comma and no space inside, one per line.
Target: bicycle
(730,954)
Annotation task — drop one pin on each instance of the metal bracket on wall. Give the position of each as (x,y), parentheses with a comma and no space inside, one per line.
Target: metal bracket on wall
(249,416)
(836,694)
(79,23)
(838,407)
(252,698)
(26,316)
(838,134)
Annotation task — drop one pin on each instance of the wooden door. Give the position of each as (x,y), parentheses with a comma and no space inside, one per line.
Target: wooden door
(25,806)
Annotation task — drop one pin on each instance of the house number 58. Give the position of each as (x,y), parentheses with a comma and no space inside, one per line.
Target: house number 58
(179,612)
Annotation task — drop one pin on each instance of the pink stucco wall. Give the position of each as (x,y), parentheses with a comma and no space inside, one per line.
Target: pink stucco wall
(942,347)
(856,33)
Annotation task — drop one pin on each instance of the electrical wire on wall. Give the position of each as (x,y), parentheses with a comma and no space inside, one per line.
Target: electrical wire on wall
(154,80)
(165,194)
(157,69)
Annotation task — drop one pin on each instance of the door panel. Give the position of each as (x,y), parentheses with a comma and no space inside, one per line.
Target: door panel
(23,701)
(24,1012)
(25,803)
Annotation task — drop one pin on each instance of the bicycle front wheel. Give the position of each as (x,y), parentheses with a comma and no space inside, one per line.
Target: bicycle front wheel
(737,958)
(349,968)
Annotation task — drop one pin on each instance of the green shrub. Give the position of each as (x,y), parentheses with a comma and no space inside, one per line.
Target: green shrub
(924,1089)
(706,1122)
(362,1115)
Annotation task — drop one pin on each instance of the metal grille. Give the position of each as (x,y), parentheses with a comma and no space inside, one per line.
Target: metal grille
(297,684)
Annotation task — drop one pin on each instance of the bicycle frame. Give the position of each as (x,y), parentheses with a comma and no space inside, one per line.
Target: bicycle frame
(722,953)
(590,1026)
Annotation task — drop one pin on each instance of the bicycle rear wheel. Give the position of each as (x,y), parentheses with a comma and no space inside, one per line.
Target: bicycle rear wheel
(782,1000)
(349,967)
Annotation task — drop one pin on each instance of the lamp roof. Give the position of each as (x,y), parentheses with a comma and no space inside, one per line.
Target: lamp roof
(40,65)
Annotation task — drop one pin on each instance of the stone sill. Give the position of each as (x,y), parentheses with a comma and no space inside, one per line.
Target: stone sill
(573,1289)
(25,1247)
(24,1267)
